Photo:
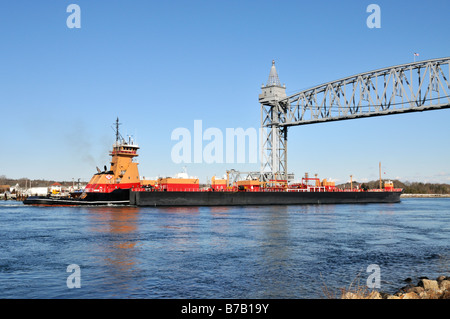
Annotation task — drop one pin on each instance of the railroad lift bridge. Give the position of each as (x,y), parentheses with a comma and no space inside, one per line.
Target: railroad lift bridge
(413,87)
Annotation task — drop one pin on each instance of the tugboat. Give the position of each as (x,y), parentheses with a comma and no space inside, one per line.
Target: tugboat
(108,187)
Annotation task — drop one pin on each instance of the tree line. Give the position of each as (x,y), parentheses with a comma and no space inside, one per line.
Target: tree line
(408,187)
(22,182)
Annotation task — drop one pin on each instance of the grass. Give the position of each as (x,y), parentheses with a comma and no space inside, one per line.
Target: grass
(356,290)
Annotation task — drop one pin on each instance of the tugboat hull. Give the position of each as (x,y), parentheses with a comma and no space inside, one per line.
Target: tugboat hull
(116,197)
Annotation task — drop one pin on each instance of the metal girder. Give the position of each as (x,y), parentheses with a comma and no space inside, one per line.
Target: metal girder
(413,87)
(274,142)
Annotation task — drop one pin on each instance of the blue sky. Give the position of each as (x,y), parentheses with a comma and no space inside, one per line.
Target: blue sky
(160,65)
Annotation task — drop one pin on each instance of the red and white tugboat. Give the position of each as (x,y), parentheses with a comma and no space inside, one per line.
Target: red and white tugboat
(110,187)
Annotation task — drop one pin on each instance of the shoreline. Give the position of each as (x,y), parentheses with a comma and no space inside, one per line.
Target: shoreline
(425,196)
(424,289)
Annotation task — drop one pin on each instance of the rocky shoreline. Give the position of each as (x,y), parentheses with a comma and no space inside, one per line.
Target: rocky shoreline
(424,289)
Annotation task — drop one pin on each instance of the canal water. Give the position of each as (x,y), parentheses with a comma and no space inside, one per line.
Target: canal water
(281,252)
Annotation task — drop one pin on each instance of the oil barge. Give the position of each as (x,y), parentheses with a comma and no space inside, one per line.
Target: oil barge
(260,197)
(186,192)
(121,185)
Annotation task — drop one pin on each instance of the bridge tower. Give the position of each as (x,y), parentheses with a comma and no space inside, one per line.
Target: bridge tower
(273,139)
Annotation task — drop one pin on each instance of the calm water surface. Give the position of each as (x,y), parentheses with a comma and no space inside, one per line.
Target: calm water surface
(220,252)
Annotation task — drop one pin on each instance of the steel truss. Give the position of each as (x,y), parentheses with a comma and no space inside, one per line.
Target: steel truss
(412,87)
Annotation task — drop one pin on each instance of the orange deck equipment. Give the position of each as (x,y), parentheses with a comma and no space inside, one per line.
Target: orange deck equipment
(249,185)
(329,185)
(389,186)
(218,184)
(178,184)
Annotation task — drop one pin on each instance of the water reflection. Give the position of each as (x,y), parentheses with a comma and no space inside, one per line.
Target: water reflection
(183,210)
(116,243)
(113,219)
(196,228)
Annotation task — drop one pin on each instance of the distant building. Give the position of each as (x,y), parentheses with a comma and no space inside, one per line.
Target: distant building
(55,188)
(4,188)
(39,191)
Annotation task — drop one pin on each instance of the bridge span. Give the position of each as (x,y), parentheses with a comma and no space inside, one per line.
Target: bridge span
(412,87)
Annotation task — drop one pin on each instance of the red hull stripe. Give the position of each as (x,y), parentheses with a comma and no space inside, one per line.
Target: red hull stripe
(108,188)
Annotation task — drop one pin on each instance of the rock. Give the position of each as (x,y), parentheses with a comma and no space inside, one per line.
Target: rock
(428,284)
(384,295)
(432,294)
(374,295)
(349,295)
(446,295)
(417,290)
(352,295)
(410,295)
(444,285)
(406,288)
(425,289)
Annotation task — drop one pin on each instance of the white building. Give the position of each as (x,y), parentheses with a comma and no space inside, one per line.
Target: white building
(39,191)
